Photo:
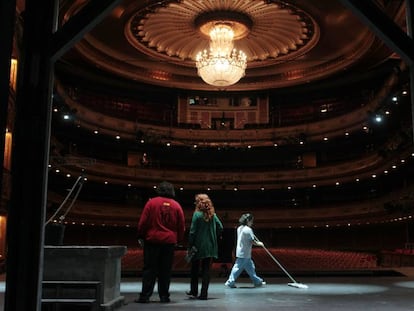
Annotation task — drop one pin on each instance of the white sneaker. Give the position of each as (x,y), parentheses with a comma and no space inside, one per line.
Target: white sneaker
(230,285)
(260,284)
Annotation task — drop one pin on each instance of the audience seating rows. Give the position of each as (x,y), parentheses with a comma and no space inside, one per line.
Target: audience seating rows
(314,260)
(291,259)
(400,257)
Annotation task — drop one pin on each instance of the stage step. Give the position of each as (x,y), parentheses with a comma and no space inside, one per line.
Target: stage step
(79,293)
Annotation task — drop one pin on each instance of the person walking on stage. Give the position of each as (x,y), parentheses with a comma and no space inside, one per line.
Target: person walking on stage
(245,240)
(205,230)
(161,226)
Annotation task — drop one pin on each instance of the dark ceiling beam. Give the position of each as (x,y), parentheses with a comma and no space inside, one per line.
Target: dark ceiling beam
(80,24)
(384,27)
(410,29)
(410,16)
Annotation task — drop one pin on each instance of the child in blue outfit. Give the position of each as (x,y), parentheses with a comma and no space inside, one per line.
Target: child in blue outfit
(245,240)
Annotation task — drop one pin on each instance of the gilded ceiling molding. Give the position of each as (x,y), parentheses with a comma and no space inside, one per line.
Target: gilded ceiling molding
(287,43)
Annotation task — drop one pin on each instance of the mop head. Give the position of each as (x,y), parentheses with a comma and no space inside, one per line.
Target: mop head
(298,285)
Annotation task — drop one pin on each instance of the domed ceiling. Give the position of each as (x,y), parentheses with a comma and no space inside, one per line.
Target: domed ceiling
(286,42)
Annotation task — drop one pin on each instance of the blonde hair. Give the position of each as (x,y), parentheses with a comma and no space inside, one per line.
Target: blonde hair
(204,204)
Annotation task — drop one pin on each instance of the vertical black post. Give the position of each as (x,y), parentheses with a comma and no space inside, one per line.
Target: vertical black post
(7,17)
(410,13)
(30,156)
(410,29)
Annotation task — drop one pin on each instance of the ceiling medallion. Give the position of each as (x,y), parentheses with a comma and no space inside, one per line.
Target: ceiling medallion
(222,38)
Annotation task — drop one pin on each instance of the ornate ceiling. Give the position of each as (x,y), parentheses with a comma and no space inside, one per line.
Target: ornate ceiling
(287,42)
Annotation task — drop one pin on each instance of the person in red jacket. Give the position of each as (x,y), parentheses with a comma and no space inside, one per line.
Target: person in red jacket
(161,226)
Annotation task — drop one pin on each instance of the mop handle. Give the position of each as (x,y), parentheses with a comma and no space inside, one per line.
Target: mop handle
(276,261)
(66,199)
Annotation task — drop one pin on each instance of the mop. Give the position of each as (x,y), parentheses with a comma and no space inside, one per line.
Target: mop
(294,283)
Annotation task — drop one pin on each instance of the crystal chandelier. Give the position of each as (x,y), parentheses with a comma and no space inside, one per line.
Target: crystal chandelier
(222,65)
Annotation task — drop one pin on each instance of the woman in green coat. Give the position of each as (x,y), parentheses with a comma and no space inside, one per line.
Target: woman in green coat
(205,230)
